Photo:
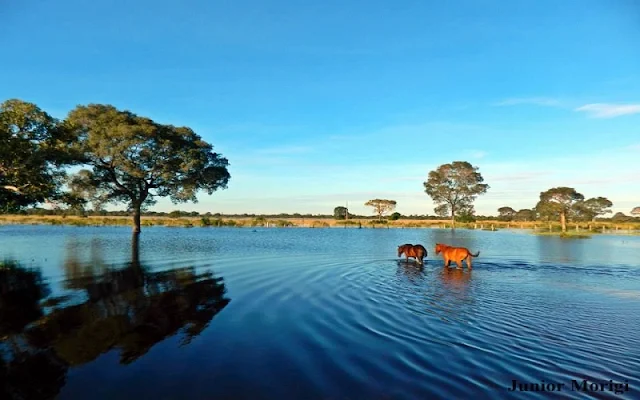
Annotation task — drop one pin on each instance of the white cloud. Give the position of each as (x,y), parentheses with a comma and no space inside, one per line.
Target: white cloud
(604,110)
(635,147)
(478,154)
(293,149)
(538,101)
(525,176)
(407,178)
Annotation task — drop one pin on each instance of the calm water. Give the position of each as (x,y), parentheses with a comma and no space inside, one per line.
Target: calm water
(227,313)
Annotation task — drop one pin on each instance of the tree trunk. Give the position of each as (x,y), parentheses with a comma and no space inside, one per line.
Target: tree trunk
(136,219)
(453,218)
(563,221)
(135,250)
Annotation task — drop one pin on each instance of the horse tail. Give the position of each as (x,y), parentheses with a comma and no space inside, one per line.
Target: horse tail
(474,255)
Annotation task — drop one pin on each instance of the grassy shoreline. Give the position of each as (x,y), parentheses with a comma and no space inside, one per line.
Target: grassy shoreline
(542,228)
(569,234)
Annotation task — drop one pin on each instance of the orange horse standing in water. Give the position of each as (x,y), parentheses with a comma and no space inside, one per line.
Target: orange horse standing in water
(455,254)
(415,251)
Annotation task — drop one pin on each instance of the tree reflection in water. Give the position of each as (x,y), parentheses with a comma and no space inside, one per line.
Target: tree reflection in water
(26,372)
(129,309)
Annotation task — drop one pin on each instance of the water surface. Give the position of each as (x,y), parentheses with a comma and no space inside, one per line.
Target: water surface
(278,313)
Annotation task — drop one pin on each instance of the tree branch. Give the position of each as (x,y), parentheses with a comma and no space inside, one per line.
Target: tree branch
(12,188)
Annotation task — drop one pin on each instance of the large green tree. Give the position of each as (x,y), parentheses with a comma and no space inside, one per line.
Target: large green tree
(33,152)
(340,212)
(467,213)
(456,186)
(525,214)
(381,206)
(132,159)
(506,213)
(442,210)
(559,201)
(591,208)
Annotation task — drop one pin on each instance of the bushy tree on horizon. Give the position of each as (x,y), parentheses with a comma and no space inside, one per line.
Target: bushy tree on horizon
(558,202)
(592,208)
(454,187)
(506,213)
(381,206)
(525,215)
(340,213)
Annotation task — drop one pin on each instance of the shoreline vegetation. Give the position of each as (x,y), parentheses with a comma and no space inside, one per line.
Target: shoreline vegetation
(132,161)
(574,230)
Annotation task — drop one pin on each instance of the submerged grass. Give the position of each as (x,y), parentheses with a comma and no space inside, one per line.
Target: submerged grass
(567,235)
(580,230)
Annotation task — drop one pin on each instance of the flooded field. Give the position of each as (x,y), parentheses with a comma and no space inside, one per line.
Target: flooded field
(281,313)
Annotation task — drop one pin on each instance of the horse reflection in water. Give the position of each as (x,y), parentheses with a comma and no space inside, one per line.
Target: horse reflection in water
(411,271)
(455,295)
(455,278)
(130,309)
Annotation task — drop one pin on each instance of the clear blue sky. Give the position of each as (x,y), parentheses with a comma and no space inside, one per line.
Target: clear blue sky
(316,103)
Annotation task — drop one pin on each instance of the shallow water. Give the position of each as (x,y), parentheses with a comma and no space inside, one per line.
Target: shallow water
(284,313)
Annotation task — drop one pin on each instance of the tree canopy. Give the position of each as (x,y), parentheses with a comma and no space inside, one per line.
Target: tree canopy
(133,159)
(442,210)
(381,206)
(33,151)
(454,187)
(592,208)
(340,212)
(635,211)
(506,213)
(525,214)
(621,217)
(559,201)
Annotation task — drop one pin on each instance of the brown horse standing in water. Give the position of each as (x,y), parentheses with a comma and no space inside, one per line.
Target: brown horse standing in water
(415,251)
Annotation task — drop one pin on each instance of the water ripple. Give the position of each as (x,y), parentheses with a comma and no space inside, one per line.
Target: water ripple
(414,319)
(334,315)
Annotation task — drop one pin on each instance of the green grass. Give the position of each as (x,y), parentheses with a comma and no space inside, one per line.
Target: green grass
(567,235)
(536,227)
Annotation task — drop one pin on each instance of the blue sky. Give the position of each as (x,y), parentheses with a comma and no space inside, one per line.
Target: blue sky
(316,104)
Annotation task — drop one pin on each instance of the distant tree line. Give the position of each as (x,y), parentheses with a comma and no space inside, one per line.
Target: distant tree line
(523,215)
(455,186)
(565,204)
